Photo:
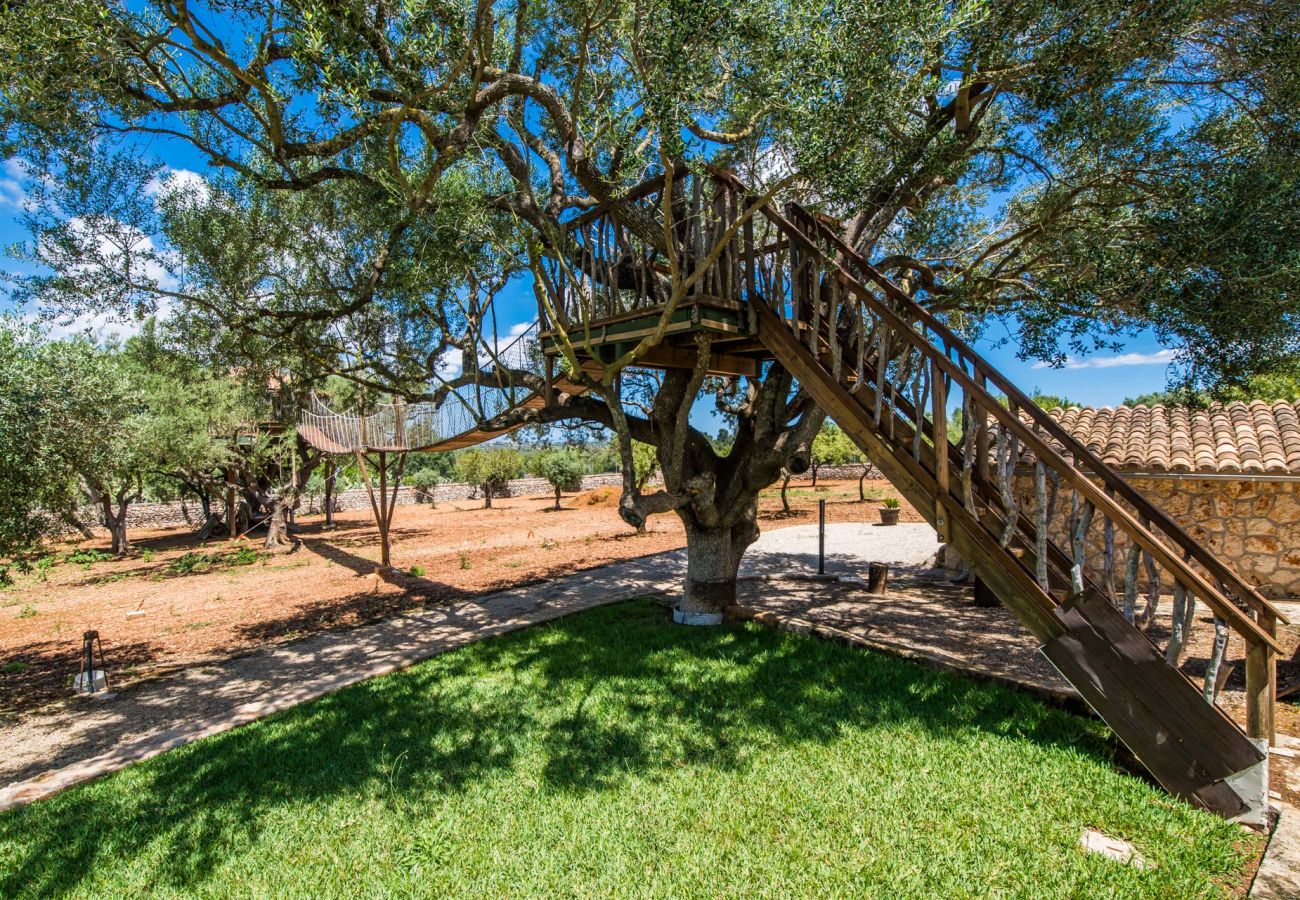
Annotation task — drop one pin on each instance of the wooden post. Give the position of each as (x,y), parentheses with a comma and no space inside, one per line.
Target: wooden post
(1261,684)
(331,472)
(821,537)
(939,434)
(384,561)
(231,513)
(374,505)
(984,596)
(877,578)
(982,430)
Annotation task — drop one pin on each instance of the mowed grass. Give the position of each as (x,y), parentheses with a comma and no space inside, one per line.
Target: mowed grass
(615,754)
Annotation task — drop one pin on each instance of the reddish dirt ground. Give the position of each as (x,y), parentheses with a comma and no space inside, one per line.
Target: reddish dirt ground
(155,614)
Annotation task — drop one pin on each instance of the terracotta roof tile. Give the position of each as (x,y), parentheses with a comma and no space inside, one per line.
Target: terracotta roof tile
(1256,437)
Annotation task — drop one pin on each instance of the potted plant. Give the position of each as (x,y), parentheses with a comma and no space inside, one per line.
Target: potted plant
(889,510)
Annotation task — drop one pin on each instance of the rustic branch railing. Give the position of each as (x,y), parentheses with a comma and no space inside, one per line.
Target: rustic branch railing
(906,368)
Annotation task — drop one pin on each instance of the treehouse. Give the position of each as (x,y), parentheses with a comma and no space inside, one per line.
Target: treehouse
(696,261)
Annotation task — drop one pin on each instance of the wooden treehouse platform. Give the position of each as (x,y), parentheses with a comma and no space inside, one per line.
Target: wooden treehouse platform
(735,347)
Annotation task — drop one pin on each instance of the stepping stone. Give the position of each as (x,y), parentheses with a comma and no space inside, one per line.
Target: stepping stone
(1095,841)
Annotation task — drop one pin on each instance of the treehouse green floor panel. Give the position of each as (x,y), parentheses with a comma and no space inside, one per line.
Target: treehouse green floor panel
(615,754)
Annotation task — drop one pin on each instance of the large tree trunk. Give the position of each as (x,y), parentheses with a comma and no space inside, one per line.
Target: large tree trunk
(115,522)
(713,557)
(487,495)
(330,470)
(557,497)
(277,525)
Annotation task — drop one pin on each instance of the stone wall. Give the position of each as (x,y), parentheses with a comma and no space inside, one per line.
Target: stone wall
(189,513)
(1254,526)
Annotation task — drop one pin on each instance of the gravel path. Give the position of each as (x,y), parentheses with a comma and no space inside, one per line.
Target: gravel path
(81,739)
(849,548)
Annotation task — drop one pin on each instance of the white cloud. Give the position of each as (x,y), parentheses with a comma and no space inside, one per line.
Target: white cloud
(13,194)
(182,181)
(98,327)
(1160,357)
(451,363)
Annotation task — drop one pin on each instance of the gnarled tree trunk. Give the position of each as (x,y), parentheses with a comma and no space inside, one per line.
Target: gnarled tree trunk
(713,555)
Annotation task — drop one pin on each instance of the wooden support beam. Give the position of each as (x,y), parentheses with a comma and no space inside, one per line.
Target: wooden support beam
(667,357)
(1261,684)
(232,514)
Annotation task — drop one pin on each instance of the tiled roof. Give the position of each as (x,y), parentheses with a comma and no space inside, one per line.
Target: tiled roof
(1256,437)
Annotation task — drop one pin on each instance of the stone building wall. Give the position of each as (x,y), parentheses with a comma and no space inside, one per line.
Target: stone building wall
(1254,526)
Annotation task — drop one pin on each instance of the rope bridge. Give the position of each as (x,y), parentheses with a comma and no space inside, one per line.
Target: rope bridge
(457,420)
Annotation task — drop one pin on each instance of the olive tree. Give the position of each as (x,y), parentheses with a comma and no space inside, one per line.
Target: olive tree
(378,174)
(490,469)
(562,468)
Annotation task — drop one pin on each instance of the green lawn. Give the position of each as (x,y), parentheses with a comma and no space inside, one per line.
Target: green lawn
(614,754)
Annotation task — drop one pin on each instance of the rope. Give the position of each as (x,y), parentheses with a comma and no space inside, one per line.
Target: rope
(422,426)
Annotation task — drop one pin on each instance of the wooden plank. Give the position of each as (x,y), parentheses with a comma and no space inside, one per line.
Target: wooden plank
(1189,745)
(1261,686)
(669,357)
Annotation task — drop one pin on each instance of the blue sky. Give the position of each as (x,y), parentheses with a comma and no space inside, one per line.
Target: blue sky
(1106,378)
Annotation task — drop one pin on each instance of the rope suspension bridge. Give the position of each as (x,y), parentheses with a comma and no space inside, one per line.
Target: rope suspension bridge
(781,286)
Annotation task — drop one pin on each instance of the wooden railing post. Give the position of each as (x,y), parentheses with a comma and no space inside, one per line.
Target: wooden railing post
(939,420)
(1261,684)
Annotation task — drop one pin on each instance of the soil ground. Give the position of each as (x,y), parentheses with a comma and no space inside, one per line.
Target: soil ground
(173,604)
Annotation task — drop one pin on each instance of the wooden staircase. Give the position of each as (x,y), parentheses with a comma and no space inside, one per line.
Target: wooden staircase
(887,371)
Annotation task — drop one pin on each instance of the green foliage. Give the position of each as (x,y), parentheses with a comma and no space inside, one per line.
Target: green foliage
(417,571)
(106,418)
(563,469)
(425,480)
(833,447)
(890,503)
(87,557)
(57,407)
(1268,386)
(490,468)
(718,738)
(195,563)
(1051,401)
(645,462)
(191,563)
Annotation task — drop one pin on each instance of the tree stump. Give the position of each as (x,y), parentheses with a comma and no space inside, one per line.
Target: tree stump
(877,578)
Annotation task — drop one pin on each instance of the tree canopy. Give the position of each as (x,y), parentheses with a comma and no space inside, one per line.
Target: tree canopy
(377,177)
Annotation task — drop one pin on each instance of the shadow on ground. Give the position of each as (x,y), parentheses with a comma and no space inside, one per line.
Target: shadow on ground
(587,701)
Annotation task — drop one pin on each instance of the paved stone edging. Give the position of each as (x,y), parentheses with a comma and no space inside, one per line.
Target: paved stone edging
(385,647)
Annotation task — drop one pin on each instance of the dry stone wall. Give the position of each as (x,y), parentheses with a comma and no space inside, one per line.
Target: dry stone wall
(1254,526)
(189,513)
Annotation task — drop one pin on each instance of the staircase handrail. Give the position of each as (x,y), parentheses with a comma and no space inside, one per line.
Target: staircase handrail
(1055,430)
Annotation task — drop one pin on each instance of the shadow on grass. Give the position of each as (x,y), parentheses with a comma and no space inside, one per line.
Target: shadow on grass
(587,701)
